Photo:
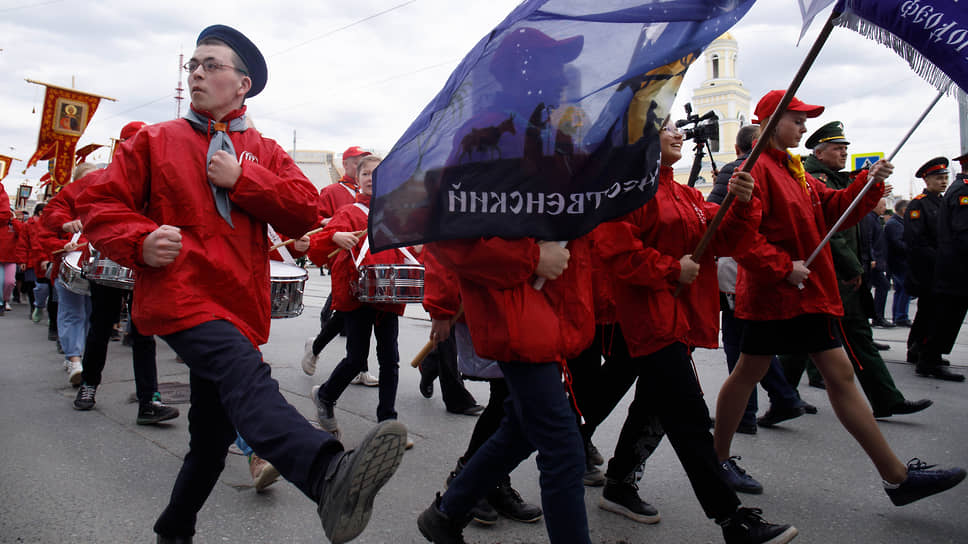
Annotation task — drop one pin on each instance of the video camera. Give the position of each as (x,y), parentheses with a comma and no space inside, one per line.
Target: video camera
(706,127)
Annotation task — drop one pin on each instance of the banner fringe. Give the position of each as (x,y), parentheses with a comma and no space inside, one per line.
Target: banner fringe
(921,65)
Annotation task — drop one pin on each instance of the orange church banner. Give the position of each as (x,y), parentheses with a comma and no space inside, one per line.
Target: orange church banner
(66,114)
(5,163)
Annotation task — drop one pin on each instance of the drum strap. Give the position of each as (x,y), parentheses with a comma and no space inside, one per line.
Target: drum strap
(366,243)
(275,239)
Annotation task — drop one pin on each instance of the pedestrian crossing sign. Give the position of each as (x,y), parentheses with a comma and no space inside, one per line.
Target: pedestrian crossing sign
(860,160)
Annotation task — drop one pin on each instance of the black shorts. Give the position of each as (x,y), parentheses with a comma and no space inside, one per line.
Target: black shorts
(808,333)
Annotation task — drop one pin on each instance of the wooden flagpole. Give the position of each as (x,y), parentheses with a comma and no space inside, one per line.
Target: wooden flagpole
(765,136)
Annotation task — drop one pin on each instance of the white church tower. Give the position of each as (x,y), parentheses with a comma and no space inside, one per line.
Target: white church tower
(722,91)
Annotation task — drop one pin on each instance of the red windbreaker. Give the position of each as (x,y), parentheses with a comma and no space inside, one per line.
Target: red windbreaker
(793,224)
(511,321)
(643,250)
(336,195)
(222,273)
(9,230)
(441,291)
(351,218)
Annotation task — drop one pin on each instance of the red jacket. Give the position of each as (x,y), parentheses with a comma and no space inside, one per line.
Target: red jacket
(336,195)
(9,230)
(643,250)
(793,224)
(343,266)
(158,177)
(603,282)
(511,321)
(441,290)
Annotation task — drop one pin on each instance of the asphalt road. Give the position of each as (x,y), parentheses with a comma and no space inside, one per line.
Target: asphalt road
(73,477)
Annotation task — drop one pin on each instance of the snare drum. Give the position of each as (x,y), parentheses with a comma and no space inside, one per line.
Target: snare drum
(287,282)
(107,272)
(70,274)
(390,283)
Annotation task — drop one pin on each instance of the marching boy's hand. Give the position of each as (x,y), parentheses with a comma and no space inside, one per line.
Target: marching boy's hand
(223,169)
(162,246)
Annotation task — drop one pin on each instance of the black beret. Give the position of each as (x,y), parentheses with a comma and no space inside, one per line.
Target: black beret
(937,165)
(245,49)
(831,133)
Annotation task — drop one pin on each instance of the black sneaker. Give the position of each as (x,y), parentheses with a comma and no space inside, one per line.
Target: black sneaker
(439,528)
(922,482)
(593,477)
(509,504)
(353,478)
(623,499)
(153,412)
(592,454)
(776,415)
(482,512)
(747,527)
(426,386)
(85,397)
(738,479)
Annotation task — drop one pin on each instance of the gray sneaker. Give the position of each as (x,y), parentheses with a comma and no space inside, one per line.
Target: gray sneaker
(325,413)
(354,477)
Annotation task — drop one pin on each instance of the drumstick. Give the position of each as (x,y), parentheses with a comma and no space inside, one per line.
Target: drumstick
(337,250)
(57,251)
(291,240)
(430,343)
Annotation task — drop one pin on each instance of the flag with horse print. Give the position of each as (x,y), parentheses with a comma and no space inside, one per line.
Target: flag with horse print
(548,126)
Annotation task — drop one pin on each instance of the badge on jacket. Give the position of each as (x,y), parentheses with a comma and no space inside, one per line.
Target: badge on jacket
(963,200)
(915,214)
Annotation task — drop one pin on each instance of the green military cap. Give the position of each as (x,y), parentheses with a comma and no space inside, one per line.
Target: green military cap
(937,165)
(831,133)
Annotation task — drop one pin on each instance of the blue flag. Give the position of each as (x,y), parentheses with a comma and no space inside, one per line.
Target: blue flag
(931,35)
(549,126)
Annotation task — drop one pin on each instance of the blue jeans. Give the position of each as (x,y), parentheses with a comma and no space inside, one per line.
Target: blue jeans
(232,388)
(41,292)
(538,416)
(73,318)
(899,308)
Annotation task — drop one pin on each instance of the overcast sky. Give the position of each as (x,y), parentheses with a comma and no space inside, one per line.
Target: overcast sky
(347,73)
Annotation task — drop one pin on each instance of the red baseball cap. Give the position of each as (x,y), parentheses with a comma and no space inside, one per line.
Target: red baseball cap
(354,151)
(767,105)
(131,129)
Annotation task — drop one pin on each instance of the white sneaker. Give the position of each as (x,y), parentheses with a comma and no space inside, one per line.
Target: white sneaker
(7,306)
(67,365)
(367,379)
(74,372)
(308,359)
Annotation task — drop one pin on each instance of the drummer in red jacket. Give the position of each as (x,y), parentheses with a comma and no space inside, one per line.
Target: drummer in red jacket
(791,308)
(346,233)
(185,204)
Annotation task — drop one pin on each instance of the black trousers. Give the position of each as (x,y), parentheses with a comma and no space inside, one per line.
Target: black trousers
(105,311)
(667,387)
(943,332)
(490,419)
(442,363)
(360,324)
(232,388)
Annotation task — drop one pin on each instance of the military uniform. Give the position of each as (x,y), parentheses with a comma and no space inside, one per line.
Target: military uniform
(846,247)
(921,236)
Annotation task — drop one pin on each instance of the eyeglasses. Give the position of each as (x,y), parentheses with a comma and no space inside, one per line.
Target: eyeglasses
(210,67)
(674,130)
